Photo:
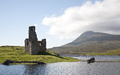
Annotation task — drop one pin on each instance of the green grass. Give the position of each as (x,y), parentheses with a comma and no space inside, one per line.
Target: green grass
(17,53)
(110,52)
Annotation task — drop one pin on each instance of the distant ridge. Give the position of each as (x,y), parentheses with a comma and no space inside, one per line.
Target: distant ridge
(94,36)
(90,41)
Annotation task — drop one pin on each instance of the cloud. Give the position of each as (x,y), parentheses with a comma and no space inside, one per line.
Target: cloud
(48,39)
(100,16)
(35,24)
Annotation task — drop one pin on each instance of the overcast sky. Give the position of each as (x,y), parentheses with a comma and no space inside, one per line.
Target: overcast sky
(59,21)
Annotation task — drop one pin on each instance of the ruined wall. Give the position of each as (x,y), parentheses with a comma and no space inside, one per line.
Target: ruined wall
(43,45)
(32,44)
(27,45)
(35,47)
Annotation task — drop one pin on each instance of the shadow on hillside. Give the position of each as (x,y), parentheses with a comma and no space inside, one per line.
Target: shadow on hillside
(47,53)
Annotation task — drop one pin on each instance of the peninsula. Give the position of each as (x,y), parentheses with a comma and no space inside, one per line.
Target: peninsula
(34,51)
(17,53)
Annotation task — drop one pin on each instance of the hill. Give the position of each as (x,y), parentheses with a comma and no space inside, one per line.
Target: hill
(90,42)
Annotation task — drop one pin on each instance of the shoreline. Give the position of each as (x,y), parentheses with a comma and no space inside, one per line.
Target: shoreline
(17,53)
(57,62)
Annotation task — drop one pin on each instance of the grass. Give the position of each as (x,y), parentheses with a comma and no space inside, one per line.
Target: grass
(17,53)
(110,52)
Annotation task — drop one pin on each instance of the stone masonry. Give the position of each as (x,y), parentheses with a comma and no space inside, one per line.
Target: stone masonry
(32,45)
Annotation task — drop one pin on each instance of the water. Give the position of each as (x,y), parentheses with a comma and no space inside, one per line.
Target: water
(67,68)
(101,58)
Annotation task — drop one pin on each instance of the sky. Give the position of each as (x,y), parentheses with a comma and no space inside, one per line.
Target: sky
(59,21)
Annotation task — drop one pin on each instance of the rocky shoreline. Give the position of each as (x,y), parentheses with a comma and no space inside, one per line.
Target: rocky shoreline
(7,62)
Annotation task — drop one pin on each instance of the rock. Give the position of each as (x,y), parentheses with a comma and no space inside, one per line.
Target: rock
(7,62)
(91,60)
(40,62)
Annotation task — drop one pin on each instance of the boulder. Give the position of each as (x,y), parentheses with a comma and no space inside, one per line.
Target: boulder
(91,60)
(7,62)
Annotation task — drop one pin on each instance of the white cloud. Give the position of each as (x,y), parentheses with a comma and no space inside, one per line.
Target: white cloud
(35,24)
(101,17)
(48,40)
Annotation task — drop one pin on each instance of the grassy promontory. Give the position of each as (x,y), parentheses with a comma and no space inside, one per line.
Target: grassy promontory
(17,53)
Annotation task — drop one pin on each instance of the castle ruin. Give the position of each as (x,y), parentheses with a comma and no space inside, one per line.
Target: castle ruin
(32,45)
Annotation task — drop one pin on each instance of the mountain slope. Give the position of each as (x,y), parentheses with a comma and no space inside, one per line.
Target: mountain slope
(94,36)
(90,42)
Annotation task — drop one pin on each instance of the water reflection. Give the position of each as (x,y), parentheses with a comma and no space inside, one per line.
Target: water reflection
(34,69)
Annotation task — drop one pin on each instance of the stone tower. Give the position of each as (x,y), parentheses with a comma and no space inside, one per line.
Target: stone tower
(32,45)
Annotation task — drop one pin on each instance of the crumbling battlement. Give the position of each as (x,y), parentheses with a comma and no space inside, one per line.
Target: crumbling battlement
(32,45)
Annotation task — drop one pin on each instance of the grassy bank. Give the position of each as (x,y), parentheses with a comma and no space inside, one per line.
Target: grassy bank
(17,53)
(111,52)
